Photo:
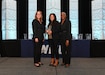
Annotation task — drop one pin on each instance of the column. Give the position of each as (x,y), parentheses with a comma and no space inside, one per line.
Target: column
(22,18)
(85,26)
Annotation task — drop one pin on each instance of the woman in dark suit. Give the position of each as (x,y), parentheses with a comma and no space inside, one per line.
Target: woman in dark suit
(53,38)
(38,30)
(65,34)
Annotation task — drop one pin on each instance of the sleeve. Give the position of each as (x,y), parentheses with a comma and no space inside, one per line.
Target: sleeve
(44,29)
(35,29)
(68,26)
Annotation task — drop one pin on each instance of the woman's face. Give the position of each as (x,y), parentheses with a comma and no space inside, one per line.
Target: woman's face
(52,17)
(39,15)
(63,16)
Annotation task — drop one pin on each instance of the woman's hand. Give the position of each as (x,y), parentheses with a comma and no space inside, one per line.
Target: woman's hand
(36,40)
(67,43)
(49,32)
(43,40)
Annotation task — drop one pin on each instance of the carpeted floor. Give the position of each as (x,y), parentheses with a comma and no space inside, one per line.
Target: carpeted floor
(25,66)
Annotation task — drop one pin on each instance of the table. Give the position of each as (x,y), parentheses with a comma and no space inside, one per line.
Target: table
(25,48)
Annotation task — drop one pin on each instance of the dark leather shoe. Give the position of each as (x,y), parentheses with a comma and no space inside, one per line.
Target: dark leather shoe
(56,64)
(62,64)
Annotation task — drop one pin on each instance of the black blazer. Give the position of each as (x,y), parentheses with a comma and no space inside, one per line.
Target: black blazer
(65,32)
(55,30)
(38,30)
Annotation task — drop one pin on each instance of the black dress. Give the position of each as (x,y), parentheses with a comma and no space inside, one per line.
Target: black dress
(54,39)
(38,31)
(65,34)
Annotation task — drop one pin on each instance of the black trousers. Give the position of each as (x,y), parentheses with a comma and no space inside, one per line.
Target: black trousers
(66,52)
(54,48)
(37,51)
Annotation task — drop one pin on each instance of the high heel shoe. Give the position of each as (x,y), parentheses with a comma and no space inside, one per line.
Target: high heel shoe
(37,65)
(52,62)
(56,63)
(62,64)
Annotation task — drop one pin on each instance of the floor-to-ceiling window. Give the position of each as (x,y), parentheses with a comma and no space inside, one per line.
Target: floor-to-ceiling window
(32,10)
(98,19)
(73,9)
(9,19)
(53,6)
(103,18)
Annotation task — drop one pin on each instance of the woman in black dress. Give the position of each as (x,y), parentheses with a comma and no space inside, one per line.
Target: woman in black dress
(38,30)
(53,38)
(65,34)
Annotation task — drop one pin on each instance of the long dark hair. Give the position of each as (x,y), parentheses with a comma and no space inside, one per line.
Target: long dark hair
(54,18)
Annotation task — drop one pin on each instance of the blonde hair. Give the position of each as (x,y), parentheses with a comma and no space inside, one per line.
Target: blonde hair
(41,19)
